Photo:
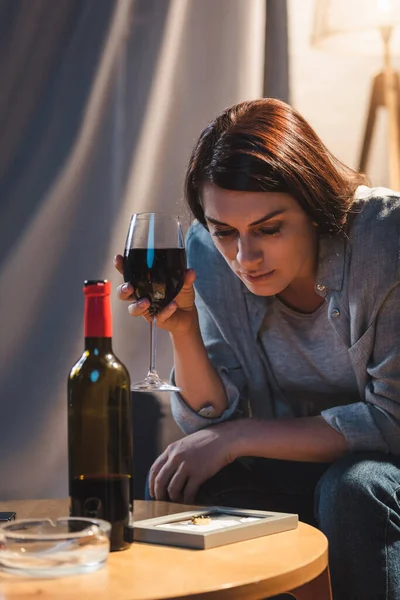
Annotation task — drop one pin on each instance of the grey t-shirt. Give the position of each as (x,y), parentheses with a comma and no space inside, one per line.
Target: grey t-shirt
(308,360)
(361,277)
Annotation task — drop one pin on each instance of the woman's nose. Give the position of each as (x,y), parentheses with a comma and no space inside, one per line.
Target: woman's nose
(248,253)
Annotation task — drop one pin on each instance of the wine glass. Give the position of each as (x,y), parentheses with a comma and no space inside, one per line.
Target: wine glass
(154,264)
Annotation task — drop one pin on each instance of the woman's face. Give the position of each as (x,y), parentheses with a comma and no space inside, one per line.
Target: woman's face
(265,237)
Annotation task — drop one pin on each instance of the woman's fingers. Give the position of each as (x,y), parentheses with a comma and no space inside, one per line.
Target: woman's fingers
(155,469)
(161,482)
(177,484)
(190,491)
(139,308)
(136,309)
(189,278)
(166,313)
(125,291)
(119,263)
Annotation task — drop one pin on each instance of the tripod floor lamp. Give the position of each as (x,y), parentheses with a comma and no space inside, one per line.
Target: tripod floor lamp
(371,27)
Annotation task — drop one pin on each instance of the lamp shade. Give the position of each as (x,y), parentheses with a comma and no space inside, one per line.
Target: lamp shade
(353,26)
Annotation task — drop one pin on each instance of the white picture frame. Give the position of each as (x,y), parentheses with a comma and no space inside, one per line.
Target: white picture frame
(212,526)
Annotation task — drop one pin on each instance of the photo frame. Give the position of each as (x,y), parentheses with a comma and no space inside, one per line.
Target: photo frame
(212,526)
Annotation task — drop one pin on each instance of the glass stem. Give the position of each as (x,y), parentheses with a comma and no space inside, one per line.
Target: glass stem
(153,346)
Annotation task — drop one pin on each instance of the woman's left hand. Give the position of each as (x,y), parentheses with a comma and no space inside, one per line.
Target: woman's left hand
(185,465)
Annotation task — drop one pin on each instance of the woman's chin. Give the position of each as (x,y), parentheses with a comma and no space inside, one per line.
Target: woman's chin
(264,288)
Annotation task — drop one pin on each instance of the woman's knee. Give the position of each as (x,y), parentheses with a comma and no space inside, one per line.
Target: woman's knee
(355,482)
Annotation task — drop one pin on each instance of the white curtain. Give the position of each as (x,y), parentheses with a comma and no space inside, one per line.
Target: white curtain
(163,71)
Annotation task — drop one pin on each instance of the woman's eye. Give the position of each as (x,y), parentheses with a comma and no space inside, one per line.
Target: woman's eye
(270,231)
(221,233)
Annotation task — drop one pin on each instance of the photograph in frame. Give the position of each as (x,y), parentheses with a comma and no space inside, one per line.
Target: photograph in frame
(212,526)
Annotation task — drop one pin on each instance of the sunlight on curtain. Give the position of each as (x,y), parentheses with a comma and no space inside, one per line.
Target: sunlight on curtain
(166,69)
(56,213)
(34,263)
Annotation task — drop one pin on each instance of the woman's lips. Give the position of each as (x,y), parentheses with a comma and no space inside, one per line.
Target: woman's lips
(257,278)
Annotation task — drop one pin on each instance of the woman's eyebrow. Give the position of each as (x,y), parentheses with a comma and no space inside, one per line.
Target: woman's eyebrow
(266,217)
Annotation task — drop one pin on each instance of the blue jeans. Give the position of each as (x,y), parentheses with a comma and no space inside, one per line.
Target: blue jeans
(354,501)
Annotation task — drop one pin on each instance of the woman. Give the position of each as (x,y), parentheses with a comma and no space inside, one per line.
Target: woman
(288,352)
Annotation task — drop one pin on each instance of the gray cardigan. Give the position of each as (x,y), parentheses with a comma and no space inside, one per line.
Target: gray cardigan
(359,278)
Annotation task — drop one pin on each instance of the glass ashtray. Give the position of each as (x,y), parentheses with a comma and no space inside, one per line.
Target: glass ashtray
(43,548)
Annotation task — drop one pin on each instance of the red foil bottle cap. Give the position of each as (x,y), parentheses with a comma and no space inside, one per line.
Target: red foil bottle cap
(97,287)
(97,308)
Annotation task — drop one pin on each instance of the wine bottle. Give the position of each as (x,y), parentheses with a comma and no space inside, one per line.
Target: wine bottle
(100,442)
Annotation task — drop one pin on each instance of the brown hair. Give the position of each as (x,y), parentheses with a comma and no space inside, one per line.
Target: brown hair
(266,145)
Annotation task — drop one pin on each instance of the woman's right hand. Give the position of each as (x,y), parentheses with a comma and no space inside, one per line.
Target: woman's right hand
(179,317)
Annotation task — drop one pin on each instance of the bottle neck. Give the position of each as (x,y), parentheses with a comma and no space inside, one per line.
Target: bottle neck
(98,345)
(97,323)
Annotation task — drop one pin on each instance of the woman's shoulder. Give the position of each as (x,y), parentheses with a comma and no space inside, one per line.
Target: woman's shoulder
(374,232)
(375,216)
(375,208)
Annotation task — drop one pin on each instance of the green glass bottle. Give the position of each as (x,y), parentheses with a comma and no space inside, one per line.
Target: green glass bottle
(100,443)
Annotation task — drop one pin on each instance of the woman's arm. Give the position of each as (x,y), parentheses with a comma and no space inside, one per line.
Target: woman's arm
(209,374)
(206,367)
(196,375)
(186,464)
(307,439)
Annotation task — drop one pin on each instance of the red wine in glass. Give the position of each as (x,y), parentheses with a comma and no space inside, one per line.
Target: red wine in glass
(156,274)
(154,264)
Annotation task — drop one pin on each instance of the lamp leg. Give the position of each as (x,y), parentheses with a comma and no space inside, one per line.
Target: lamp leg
(386,93)
(393,107)
(377,99)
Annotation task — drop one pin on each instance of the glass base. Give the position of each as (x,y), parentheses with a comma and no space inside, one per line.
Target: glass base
(52,571)
(153,383)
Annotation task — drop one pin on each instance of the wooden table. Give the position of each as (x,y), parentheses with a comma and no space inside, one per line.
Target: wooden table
(260,568)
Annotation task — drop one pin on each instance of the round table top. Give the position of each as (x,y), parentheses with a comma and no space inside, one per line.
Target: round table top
(250,569)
